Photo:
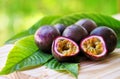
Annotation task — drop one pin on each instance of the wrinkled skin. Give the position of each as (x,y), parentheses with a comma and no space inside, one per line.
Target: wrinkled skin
(44,37)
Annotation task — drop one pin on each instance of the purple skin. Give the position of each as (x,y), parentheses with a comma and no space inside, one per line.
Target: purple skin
(60,27)
(44,37)
(108,35)
(59,57)
(75,32)
(91,56)
(88,24)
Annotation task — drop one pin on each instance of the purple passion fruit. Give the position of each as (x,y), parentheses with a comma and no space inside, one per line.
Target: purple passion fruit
(88,24)
(60,27)
(64,49)
(75,32)
(94,47)
(108,35)
(44,37)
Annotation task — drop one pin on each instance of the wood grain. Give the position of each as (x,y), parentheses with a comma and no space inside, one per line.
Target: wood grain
(105,69)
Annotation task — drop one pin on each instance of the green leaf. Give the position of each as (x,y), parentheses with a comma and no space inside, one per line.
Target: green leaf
(24,54)
(47,20)
(101,20)
(70,67)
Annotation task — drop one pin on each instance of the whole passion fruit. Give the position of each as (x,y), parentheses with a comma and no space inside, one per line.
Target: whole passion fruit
(94,47)
(60,27)
(88,24)
(75,32)
(44,37)
(64,49)
(108,35)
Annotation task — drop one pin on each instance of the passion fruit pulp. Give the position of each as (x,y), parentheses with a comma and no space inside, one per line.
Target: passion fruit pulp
(94,47)
(64,49)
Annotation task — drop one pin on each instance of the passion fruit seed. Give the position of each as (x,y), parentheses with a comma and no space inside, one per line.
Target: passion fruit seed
(66,48)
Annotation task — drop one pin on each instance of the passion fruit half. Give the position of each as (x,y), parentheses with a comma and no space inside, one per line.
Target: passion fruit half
(94,47)
(64,49)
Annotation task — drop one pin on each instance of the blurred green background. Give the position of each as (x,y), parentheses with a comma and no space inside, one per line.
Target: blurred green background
(19,15)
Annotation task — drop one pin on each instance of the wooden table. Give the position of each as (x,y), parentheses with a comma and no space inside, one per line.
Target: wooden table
(105,69)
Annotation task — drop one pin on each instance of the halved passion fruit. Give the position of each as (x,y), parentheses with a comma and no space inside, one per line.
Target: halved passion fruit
(64,49)
(94,47)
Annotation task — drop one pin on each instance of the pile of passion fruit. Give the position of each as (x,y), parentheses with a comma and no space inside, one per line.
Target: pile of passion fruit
(83,37)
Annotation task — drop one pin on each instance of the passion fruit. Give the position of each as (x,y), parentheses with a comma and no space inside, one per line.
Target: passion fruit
(64,49)
(75,32)
(108,35)
(88,24)
(94,47)
(44,37)
(60,27)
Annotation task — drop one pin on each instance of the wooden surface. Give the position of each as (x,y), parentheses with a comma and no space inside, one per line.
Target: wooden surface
(106,69)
